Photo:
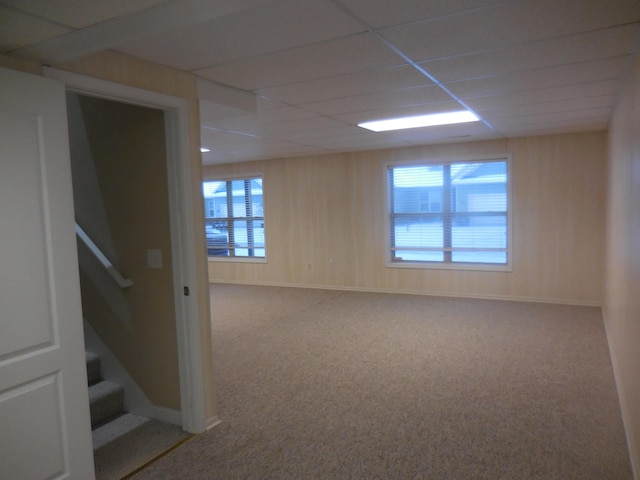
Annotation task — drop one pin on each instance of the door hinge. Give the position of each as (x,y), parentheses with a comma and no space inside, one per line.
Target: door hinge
(186,291)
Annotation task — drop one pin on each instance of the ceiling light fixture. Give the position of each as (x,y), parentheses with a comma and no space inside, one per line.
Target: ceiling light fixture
(204,150)
(446,118)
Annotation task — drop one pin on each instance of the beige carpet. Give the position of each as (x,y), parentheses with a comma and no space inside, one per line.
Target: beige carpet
(317,384)
(144,440)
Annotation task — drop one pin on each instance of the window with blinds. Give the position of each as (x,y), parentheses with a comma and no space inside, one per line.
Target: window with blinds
(449,214)
(234,217)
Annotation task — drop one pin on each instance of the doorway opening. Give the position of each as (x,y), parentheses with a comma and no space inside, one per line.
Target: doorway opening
(121,202)
(170,114)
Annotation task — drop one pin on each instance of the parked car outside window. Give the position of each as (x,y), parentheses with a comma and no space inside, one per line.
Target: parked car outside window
(217,242)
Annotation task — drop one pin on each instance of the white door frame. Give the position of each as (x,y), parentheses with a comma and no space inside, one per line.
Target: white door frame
(181,210)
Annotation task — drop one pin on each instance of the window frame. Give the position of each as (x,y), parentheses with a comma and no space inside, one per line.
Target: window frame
(436,265)
(232,178)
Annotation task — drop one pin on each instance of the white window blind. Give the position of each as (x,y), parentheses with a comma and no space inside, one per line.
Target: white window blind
(234,217)
(449,213)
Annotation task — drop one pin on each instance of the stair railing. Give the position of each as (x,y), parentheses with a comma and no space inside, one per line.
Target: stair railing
(104,261)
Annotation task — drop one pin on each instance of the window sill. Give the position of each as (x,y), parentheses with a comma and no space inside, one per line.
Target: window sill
(451,266)
(215,259)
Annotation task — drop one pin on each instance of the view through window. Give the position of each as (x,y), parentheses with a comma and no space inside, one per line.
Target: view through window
(234,217)
(449,213)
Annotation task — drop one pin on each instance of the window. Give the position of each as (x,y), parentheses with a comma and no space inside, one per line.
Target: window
(234,218)
(450,214)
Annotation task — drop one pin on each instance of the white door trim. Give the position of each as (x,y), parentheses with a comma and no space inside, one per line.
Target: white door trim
(192,393)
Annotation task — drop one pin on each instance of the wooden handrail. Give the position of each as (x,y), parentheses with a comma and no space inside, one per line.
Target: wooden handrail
(104,261)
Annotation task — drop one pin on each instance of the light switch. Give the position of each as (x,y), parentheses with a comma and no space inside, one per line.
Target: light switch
(154,258)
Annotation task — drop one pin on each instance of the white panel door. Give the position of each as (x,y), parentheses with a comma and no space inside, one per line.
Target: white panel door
(45,429)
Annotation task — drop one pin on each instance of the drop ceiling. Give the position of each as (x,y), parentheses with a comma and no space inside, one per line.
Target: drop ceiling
(283,78)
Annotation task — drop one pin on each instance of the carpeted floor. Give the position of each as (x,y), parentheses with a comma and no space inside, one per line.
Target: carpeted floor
(318,384)
(145,439)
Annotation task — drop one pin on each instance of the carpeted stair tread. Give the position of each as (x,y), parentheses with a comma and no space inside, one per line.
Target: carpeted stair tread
(93,368)
(106,401)
(122,442)
(117,427)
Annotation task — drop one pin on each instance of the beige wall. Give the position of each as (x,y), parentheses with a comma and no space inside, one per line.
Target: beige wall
(332,207)
(20,64)
(622,294)
(127,148)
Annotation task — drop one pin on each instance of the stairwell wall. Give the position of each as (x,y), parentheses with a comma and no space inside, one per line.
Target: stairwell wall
(121,201)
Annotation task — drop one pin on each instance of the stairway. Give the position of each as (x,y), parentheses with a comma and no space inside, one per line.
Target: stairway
(122,442)
(109,420)
(106,399)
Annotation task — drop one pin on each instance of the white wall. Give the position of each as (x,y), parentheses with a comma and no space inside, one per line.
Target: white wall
(622,293)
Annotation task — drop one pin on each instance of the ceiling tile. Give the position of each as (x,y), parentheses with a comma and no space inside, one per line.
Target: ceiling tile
(292,149)
(382,13)
(259,152)
(210,112)
(557,128)
(215,139)
(300,125)
(366,141)
(310,136)
(566,118)
(459,132)
(380,100)
(19,30)
(337,57)
(118,31)
(584,72)
(82,13)
(270,27)
(319,67)
(365,81)
(508,24)
(605,88)
(605,43)
(554,127)
(253,123)
(228,147)
(261,127)
(569,105)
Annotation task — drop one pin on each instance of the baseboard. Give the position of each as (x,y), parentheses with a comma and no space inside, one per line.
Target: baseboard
(135,401)
(163,414)
(634,452)
(556,301)
(212,422)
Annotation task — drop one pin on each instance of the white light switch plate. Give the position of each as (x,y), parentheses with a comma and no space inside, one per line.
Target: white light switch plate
(154,258)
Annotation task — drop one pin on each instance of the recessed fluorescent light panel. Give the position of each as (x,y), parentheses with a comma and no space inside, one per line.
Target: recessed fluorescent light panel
(446,118)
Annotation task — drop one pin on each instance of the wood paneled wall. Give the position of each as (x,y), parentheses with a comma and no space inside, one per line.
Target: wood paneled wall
(21,64)
(325,222)
(622,293)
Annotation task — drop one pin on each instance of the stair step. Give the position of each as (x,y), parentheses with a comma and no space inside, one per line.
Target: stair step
(93,368)
(116,428)
(106,401)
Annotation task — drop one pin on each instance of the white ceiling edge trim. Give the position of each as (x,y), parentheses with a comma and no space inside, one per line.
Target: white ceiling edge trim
(228,96)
